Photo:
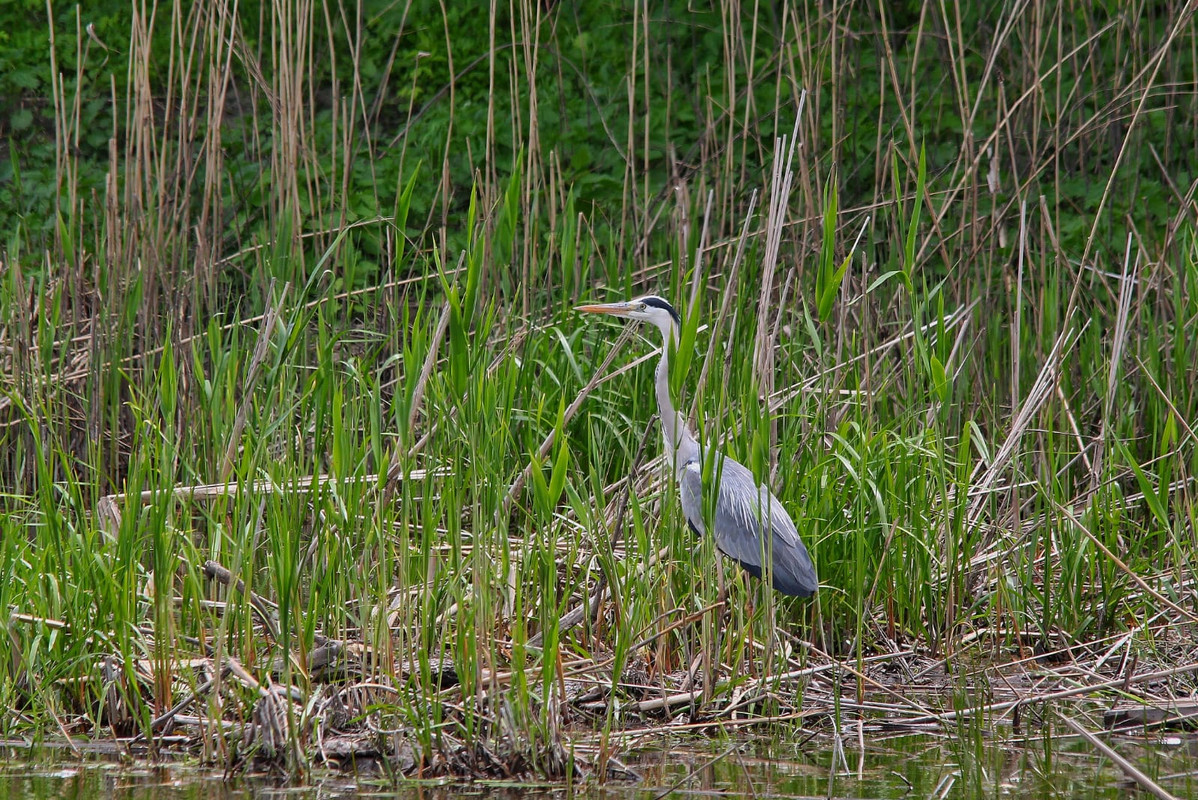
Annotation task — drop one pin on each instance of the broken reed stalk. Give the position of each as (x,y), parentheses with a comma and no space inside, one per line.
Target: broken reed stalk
(1129,769)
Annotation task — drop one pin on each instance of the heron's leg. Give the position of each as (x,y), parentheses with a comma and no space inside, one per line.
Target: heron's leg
(749,609)
(712,674)
(721,595)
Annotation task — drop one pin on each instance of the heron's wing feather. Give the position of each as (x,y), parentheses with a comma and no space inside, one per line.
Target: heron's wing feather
(735,523)
(741,506)
(690,493)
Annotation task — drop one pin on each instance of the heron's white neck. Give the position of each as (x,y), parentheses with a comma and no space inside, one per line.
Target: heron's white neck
(681,446)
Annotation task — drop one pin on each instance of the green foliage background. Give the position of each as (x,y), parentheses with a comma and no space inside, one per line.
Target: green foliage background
(400,63)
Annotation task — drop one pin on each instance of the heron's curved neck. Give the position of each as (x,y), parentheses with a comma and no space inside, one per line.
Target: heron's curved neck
(678,440)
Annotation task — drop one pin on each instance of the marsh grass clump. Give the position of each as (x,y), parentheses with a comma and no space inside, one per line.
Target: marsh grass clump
(304,456)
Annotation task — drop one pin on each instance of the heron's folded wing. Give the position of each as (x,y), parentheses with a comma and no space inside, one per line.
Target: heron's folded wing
(740,507)
(735,522)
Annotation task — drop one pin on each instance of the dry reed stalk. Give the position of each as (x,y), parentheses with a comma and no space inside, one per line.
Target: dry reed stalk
(1135,577)
(731,287)
(1122,763)
(1127,282)
(776,212)
(1041,390)
(1058,694)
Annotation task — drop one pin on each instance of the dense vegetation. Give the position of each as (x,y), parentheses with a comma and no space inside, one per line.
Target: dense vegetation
(953,320)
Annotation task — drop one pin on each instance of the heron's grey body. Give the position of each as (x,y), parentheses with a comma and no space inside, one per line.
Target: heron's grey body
(748,523)
(743,510)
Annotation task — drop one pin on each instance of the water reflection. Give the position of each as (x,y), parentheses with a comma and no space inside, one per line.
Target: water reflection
(862,766)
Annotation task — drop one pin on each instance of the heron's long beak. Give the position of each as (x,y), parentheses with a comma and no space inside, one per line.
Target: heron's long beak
(618,309)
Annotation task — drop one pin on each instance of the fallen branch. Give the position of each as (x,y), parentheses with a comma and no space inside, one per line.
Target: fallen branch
(1129,769)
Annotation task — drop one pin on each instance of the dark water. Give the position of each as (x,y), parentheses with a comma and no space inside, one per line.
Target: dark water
(910,766)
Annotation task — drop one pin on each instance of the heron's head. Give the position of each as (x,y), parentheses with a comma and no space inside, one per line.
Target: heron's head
(649,308)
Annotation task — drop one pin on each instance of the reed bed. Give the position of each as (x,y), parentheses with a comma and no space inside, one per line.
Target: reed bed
(306,458)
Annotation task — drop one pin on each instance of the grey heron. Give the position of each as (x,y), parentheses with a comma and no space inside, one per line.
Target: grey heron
(745,512)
